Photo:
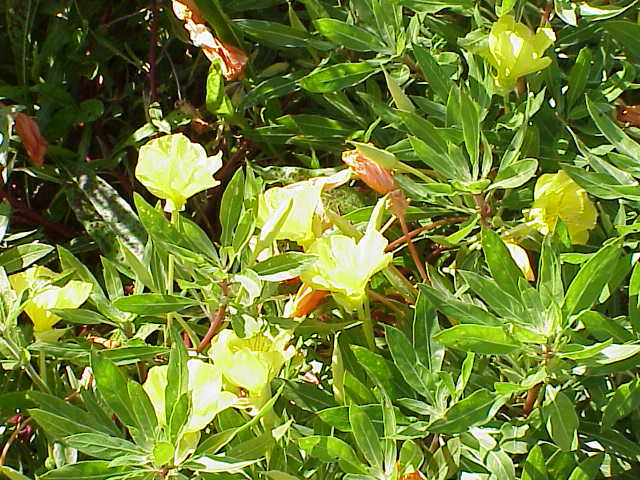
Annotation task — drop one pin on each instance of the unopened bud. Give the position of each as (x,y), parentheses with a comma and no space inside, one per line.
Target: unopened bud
(374,175)
(305,301)
(33,141)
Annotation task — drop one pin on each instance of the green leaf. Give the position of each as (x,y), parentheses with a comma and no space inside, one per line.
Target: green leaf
(627,34)
(366,437)
(152,303)
(337,77)
(600,114)
(425,325)
(515,174)
(588,469)
(112,385)
(215,96)
(578,76)
(534,466)
(561,421)
(439,80)
(284,266)
(231,206)
(476,409)
(463,312)
(180,412)
(406,360)
(60,419)
(470,116)
(497,299)
(104,306)
(549,273)
(478,339)
(592,277)
(103,446)
(500,465)
(117,214)
(12,474)
(21,256)
(349,36)
(280,36)
(602,185)
(332,449)
(143,410)
(86,470)
(501,265)
(382,371)
(177,384)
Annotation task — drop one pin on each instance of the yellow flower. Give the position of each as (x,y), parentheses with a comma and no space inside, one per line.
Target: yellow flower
(305,200)
(344,267)
(251,363)
(205,390)
(557,196)
(174,168)
(44,296)
(300,225)
(515,51)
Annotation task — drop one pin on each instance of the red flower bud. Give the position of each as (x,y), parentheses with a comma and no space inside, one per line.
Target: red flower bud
(33,141)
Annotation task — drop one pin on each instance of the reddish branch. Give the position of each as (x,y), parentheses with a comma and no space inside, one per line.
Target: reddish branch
(215,321)
(229,167)
(19,426)
(35,218)
(414,233)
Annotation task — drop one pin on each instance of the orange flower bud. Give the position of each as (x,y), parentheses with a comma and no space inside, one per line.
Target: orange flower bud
(33,141)
(305,301)
(375,176)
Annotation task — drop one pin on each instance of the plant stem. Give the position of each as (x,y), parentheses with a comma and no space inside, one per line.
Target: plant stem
(414,233)
(169,285)
(216,320)
(367,323)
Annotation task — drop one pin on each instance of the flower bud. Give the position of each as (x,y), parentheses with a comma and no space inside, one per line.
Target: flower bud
(374,175)
(33,141)
(305,301)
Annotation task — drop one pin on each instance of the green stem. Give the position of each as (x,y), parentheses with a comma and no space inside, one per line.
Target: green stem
(364,313)
(169,285)
(42,366)
(35,378)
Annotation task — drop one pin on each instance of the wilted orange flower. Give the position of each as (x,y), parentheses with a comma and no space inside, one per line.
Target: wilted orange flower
(33,141)
(305,301)
(374,175)
(233,59)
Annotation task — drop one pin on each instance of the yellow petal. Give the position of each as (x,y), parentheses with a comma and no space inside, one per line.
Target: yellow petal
(174,168)
(521,257)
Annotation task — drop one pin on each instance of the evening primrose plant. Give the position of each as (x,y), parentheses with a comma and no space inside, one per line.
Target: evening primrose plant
(418,261)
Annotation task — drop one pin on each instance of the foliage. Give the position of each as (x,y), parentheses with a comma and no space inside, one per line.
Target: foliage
(193,285)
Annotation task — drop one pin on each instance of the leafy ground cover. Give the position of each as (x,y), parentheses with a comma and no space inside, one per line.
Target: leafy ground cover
(375,239)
